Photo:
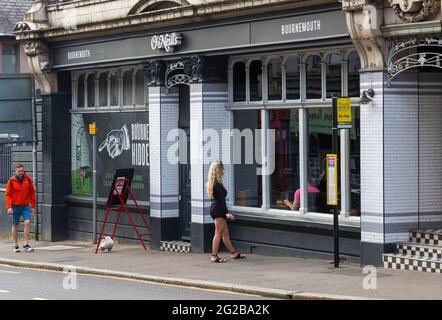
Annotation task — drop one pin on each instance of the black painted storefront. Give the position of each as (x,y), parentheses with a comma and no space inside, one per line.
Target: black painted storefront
(66,215)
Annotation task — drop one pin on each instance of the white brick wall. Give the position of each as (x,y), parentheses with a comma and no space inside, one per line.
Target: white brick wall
(430,150)
(207,112)
(372,186)
(164,176)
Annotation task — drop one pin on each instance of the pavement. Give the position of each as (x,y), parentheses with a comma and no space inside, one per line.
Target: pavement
(265,276)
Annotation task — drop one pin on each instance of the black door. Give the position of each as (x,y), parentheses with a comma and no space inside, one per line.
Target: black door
(185,189)
(185,195)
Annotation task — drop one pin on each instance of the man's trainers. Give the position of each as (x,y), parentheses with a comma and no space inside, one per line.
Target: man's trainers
(16,249)
(28,248)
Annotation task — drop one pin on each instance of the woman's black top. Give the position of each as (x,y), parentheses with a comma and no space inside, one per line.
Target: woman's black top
(218,208)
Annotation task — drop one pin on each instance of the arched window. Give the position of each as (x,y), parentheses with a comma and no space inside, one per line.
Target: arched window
(256,80)
(354,64)
(333,78)
(102,89)
(127,88)
(293,79)
(274,79)
(139,88)
(114,90)
(239,82)
(313,71)
(91,90)
(80,92)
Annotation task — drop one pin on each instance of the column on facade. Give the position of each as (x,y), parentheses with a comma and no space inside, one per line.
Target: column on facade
(164,172)
(372,170)
(208,120)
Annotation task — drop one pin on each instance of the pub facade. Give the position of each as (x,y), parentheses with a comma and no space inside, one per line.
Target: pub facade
(173,85)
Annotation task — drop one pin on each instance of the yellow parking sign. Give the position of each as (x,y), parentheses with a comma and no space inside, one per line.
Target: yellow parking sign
(344,113)
(92,129)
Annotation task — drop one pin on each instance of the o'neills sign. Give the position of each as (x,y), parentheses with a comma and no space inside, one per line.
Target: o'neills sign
(301,27)
(166,42)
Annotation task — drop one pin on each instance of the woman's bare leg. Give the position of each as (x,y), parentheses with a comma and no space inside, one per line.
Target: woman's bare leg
(219,225)
(226,238)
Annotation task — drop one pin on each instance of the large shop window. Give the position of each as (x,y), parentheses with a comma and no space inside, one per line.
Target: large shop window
(284,181)
(333,78)
(293,82)
(320,121)
(256,80)
(355,164)
(239,82)
(248,183)
(274,75)
(354,64)
(314,76)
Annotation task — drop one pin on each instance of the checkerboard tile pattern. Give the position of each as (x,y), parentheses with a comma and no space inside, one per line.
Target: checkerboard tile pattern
(405,262)
(432,237)
(422,253)
(176,246)
(412,249)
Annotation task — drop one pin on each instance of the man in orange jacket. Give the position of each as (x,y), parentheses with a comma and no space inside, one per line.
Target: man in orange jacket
(20,201)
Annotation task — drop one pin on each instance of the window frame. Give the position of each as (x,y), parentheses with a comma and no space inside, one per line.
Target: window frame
(302,105)
(120,106)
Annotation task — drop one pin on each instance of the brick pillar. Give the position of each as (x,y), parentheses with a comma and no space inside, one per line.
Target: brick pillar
(208,117)
(56,165)
(372,171)
(164,176)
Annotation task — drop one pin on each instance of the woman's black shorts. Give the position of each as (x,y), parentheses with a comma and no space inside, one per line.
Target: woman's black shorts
(216,212)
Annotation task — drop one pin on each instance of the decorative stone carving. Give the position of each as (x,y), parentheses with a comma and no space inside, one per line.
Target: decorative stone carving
(153,72)
(364,20)
(416,10)
(28,33)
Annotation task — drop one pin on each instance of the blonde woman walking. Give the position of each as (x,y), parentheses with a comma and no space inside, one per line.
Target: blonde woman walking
(219,213)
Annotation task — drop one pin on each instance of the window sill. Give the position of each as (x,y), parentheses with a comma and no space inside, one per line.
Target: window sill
(101,202)
(137,108)
(310,219)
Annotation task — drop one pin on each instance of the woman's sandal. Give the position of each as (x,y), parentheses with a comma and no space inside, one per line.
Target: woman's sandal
(218,259)
(238,256)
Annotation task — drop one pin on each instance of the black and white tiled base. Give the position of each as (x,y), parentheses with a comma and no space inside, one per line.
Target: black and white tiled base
(405,262)
(419,250)
(432,237)
(422,253)
(176,246)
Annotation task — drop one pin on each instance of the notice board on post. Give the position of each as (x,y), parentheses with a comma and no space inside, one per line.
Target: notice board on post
(122,181)
(332,179)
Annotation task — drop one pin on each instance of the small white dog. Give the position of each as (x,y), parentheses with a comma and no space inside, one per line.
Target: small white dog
(106,244)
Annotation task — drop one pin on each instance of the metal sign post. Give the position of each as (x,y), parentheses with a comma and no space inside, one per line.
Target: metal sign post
(92,132)
(342,119)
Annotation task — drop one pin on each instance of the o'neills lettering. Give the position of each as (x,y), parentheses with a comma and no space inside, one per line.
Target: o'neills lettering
(301,27)
(79,54)
(166,42)
(140,149)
